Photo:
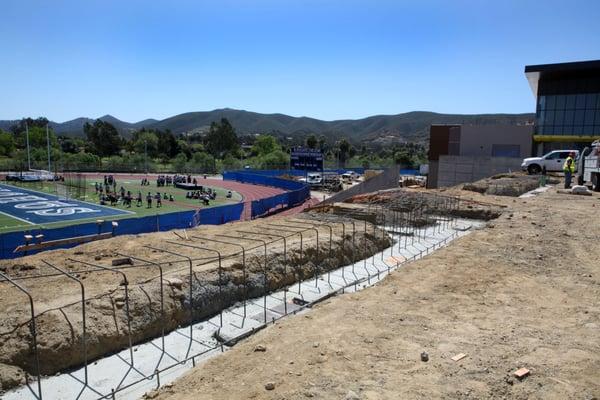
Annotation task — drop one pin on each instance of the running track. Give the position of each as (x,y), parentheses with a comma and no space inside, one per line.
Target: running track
(248,192)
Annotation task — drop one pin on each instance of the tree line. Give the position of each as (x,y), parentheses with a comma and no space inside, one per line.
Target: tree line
(219,148)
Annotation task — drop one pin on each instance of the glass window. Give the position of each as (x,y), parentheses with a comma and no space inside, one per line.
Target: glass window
(550,102)
(560,101)
(591,100)
(570,101)
(596,129)
(549,120)
(588,130)
(589,117)
(579,116)
(567,130)
(569,115)
(578,130)
(542,117)
(559,117)
(581,101)
(542,102)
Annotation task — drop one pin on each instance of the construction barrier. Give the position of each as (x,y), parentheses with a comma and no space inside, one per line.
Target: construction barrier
(296,192)
(127,226)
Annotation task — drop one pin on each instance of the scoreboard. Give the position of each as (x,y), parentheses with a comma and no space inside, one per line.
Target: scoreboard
(306,159)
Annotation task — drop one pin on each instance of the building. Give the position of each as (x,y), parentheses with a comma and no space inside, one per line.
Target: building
(466,153)
(567,104)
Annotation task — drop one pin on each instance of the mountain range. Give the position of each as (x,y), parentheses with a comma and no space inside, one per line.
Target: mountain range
(412,126)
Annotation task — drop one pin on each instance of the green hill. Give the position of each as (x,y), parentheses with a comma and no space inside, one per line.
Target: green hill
(411,126)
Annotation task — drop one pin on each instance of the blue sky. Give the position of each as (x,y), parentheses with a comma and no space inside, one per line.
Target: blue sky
(323,59)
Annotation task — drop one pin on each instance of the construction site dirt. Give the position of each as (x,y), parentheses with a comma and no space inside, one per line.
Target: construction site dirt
(202,271)
(521,293)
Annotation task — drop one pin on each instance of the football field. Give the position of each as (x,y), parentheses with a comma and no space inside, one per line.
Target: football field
(31,205)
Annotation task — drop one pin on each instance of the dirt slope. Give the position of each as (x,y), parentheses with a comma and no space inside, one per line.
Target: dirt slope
(523,292)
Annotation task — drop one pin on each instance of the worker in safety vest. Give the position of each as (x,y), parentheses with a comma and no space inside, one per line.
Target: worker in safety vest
(569,169)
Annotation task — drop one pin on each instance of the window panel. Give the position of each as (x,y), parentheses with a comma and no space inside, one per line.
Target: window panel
(596,129)
(542,117)
(550,102)
(567,130)
(549,118)
(591,101)
(579,117)
(580,101)
(571,101)
(569,116)
(559,117)
(542,102)
(561,101)
(553,156)
(589,117)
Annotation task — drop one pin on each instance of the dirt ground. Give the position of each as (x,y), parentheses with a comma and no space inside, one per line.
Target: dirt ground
(508,184)
(522,292)
(57,298)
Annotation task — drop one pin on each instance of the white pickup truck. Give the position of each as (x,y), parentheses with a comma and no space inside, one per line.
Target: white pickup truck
(589,167)
(553,161)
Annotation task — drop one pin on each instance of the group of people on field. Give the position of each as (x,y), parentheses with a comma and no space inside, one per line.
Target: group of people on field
(109,195)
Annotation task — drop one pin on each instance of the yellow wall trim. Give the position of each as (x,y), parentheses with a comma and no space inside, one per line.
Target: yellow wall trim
(565,138)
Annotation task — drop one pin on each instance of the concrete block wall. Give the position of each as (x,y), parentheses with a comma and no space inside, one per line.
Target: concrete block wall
(453,170)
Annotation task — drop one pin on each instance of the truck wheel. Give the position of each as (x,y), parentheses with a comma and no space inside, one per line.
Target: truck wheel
(596,182)
(534,169)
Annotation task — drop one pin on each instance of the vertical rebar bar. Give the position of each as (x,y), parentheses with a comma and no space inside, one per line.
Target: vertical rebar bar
(33,331)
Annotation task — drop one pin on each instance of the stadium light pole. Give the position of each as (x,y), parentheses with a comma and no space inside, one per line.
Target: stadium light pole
(27,139)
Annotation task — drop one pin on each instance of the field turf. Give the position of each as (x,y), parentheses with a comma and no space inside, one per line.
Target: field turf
(180,203)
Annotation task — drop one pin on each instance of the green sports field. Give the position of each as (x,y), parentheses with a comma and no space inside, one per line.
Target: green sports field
(180,203)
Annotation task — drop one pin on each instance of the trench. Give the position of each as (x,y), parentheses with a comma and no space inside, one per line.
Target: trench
(213,335)
(129,315)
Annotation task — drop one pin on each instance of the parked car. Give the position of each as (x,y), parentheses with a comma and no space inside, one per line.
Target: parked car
(553,161)
(314,179)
